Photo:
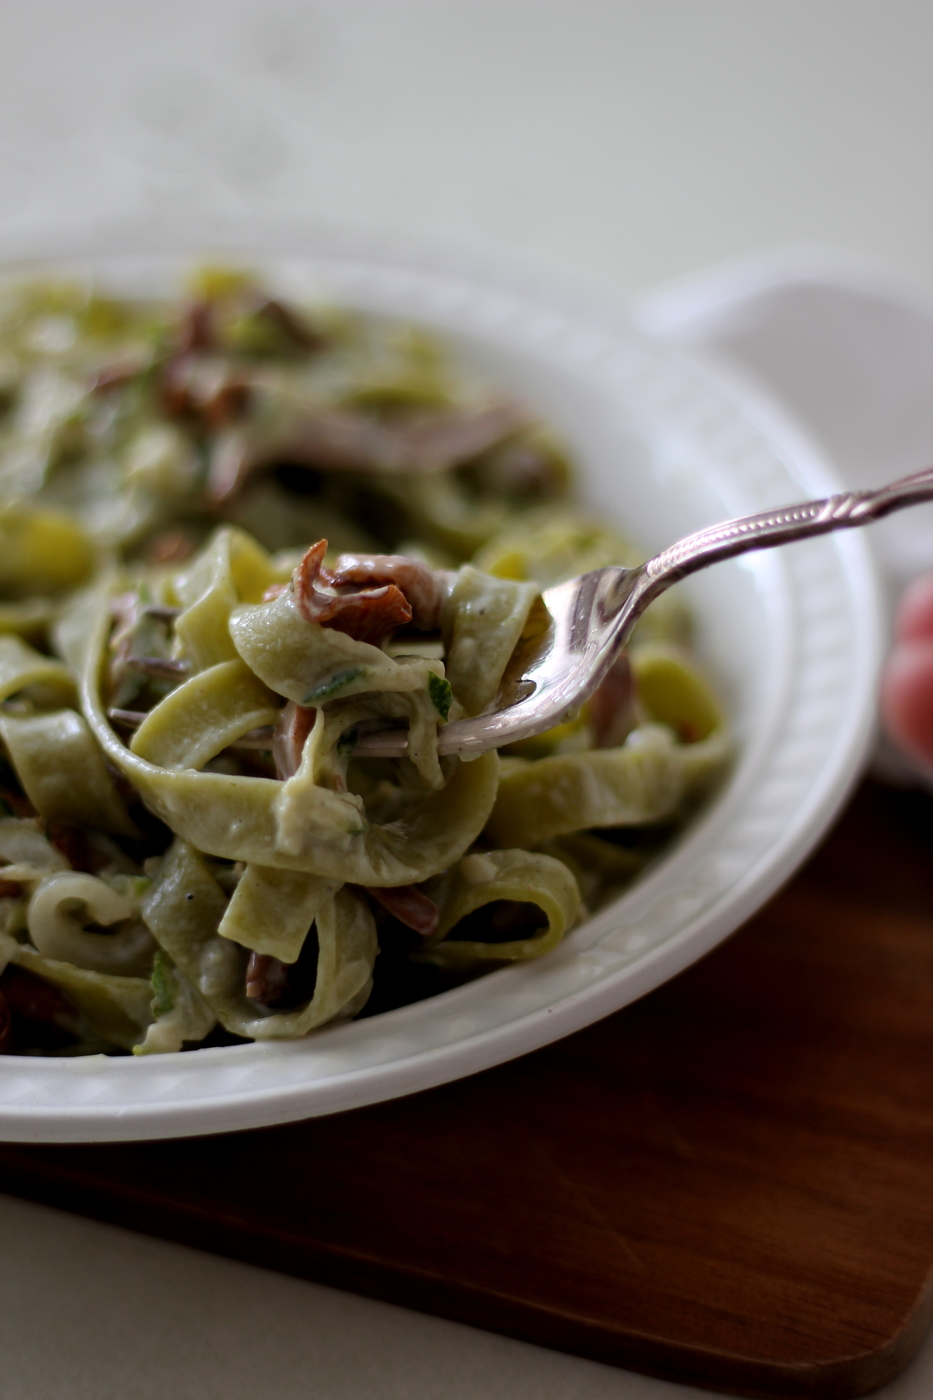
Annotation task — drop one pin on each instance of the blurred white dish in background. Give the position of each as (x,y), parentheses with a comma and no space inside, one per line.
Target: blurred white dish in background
(846,350)
(849,351)
(791,639)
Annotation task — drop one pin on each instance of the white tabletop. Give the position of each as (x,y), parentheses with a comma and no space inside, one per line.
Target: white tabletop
(616,144)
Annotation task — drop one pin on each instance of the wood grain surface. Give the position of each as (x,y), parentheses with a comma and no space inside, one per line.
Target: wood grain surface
(729,1183)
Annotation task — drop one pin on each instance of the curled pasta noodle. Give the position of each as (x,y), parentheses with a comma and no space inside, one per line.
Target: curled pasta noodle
(184,912)
(65,904)
(232,569)
(298,825)
(313,665)
(483,880)
(204,716)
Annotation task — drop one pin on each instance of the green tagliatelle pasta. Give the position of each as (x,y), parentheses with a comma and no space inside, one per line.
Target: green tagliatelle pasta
(272,909)
(184,912)
(194,848)
(482,881)
(644,781)
(116,1010)
(299,824)
(483,624)
(204,716)
(63,772)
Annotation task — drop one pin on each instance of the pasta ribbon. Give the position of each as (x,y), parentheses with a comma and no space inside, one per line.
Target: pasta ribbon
(59,932)
(184,912)
(421,840)
(314,665)
(42,678)
(484,880)
(180,1012)
(27,854)
(204,715)
(232,569)
(672,692)
(440,512)
(646,780)
(63,772)
(330,747)
(483,621)
(550,547)
(31,619)
(41,552)
(118,1009)
(271,910)
(601,867)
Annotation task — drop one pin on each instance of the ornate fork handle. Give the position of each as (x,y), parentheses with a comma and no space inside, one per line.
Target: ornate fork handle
(593,615)
(776,527)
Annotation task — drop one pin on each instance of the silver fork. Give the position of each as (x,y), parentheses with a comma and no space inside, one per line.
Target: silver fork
(592,616)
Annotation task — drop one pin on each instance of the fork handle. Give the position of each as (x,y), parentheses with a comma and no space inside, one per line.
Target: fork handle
(774,527)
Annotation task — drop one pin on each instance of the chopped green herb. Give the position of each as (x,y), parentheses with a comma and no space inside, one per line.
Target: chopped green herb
(330,687)
(347,742)
(441,694)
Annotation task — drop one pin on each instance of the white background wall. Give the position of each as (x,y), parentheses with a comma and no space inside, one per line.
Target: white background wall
(619,141)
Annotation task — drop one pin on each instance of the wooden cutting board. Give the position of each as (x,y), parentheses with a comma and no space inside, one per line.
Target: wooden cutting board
(729,1183)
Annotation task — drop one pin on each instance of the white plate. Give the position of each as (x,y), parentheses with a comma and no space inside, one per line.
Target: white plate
(791,639)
